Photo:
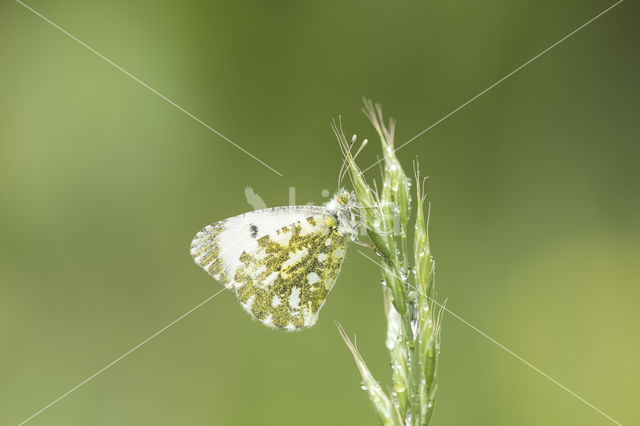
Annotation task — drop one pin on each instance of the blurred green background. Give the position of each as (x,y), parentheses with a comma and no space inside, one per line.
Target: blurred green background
(534,191)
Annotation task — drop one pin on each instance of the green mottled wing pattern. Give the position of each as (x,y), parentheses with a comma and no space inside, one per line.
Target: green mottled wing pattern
(285,282)
(206,251)
(282,274)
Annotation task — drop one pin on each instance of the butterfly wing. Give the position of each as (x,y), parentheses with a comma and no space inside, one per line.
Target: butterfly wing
(282,275)
(285,279)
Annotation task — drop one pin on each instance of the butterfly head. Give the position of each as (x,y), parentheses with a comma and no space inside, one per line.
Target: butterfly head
(342,207)
(342,197)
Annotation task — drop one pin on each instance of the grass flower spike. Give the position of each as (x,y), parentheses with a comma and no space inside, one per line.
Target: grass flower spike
(407,274)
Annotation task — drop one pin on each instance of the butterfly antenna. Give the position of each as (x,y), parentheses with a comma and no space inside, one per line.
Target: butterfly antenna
(343,172)
(343,168)
(337,131)
(345,147)
(364,143)
(340,172)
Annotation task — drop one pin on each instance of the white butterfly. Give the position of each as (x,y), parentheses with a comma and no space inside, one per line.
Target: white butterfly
(282,261)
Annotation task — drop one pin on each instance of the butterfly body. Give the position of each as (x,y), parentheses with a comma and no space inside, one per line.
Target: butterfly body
(283,261)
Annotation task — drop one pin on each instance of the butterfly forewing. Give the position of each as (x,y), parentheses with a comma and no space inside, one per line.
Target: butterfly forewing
(218,246)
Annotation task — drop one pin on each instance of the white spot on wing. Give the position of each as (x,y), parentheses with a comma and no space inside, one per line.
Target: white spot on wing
(268,321)
(270,279)
(258,271)
(294,298)
(313,278)
(308,318)
(276,301)
(322,257)
(338,253)
(249,304)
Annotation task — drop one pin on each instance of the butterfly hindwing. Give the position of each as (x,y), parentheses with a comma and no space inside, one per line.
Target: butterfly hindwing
(284,280)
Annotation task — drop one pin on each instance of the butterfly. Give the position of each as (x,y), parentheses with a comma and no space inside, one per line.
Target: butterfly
(282,262)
